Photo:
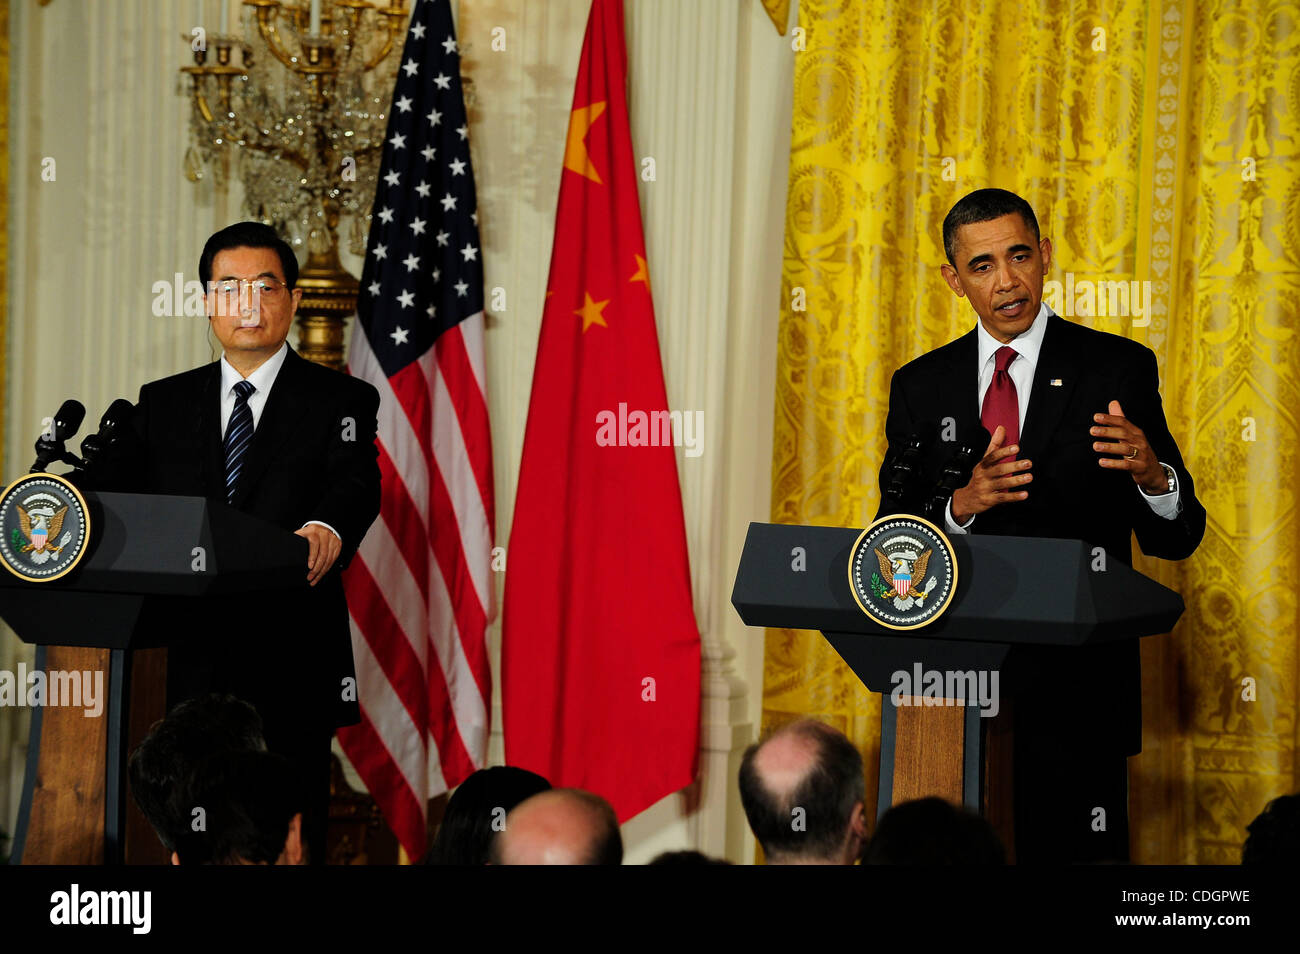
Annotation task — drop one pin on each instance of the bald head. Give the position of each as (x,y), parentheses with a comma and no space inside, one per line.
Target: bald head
(803,790)
(562,827)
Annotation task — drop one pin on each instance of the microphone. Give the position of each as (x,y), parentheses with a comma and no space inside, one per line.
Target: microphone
(953,476)
(112,426)
(50,445)
(903,472)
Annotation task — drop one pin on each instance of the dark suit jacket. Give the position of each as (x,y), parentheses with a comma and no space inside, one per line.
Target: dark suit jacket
(286,652)
(1071,495)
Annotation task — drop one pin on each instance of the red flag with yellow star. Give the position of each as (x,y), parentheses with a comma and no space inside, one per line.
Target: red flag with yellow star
(600,656)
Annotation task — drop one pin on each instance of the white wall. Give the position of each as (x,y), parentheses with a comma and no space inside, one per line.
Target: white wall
(95,87)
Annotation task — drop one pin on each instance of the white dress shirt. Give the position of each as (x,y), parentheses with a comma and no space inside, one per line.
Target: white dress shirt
(1027,345)
(262,379)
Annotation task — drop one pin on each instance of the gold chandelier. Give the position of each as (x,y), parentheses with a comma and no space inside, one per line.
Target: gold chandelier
(295,104)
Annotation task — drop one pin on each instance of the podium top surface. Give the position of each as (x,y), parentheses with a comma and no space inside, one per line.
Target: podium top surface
(157,544)
(1015,590)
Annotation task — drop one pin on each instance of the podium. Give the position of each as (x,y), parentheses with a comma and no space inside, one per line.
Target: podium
(149,558)
(1012,593)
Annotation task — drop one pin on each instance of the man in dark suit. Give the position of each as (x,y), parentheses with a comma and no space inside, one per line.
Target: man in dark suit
(278,437)
(1075,446)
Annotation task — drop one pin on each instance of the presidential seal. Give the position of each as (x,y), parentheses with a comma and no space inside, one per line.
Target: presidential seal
(44,527)
(903,572)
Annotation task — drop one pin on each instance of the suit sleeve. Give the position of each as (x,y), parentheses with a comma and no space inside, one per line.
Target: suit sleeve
(350,502)
(1178,538)
(898,427)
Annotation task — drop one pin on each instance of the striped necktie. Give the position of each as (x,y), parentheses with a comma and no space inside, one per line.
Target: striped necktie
(239,434)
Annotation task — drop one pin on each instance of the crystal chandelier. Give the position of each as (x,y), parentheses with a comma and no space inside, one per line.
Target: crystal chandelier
(294,103)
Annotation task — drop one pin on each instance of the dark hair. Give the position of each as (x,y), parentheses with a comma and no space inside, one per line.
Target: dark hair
(687,858)
(607,849)
(248,235)
(175,746)
(1274,835)
(984,205)
(930,831)
(248,800)
(827,794)
(476,809)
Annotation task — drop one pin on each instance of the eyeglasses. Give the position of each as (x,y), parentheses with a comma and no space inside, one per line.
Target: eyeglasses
(230,288)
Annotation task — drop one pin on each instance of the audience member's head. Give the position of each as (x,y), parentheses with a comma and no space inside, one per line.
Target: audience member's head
(803,791)
(564,826)
(687,858)
(1274,836)
(931,831)
(242,808)
(476,813)
(192,731)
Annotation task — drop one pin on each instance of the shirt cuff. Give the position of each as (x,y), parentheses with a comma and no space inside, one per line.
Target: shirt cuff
(1163,505)
(322,523)
(952,525)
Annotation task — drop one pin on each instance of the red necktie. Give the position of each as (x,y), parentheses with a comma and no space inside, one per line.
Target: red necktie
(1001,405)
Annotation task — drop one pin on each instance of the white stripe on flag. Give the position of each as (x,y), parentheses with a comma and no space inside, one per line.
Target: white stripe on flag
(467,703)
(395,431)
(393,578)
(451,457)
(391,720)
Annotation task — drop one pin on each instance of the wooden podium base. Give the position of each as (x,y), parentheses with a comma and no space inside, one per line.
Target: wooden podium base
(948,752)
(76,808)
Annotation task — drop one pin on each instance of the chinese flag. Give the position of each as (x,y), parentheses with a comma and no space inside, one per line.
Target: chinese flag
(600,656)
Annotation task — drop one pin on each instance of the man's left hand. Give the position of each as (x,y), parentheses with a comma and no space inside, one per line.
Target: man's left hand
(325,549)
(1129,444)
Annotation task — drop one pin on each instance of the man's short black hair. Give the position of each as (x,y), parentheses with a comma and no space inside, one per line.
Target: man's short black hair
(1274,836)
(175,746)
(248,235)
(931,832)
(689,858)
(475,811)
(826,794)
(984,205)
(238,807)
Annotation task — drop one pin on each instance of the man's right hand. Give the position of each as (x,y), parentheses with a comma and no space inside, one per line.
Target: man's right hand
(993,480)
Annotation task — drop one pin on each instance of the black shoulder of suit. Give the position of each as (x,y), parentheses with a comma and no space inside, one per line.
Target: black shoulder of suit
(1077,339)
(317,375)
(943,356)
(306,373)
(185,380)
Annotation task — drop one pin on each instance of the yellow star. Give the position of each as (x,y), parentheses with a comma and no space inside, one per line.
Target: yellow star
(575,150)
(642,273)
(590,312)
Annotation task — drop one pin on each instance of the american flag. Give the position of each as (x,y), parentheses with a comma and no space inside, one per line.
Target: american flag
(419,588)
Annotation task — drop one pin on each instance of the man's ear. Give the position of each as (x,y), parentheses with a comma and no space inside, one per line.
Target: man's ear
(1045,249)
(858,820)
(176,859)
(953,279)
(292,854)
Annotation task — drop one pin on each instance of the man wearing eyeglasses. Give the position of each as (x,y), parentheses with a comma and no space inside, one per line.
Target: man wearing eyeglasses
(271,434)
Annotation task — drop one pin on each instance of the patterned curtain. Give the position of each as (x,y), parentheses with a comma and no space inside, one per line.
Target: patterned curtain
(4,211)
(1157,142)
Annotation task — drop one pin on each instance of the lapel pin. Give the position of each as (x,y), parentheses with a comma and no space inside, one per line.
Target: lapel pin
(1055,382)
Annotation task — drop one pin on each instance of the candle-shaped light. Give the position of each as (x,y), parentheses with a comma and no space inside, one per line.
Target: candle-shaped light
(198,13)
(315,18)
(225,17)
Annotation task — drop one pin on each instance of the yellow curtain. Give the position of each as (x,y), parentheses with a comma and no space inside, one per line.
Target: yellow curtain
(4,217)
(1157,142)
